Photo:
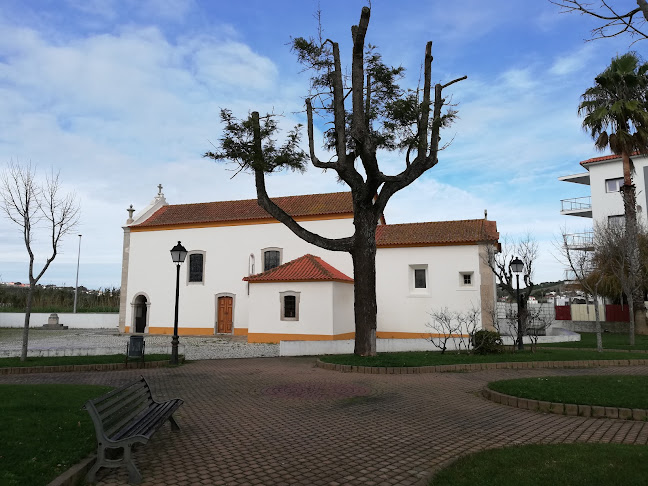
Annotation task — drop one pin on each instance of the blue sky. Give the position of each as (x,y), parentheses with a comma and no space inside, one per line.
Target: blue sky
(120,96)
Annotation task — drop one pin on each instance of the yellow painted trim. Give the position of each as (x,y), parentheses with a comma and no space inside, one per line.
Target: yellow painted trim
(262,337)
(417,245)
(237,222)
(412,335)
(240,331)
(183,331)
(339,280)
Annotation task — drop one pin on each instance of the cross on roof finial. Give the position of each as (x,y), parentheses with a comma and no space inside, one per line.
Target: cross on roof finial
(159,189)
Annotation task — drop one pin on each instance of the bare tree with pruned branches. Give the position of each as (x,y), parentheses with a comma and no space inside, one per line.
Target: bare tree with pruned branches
(582,263)
(381,116)
(31,206)
(499,261)
(614,21)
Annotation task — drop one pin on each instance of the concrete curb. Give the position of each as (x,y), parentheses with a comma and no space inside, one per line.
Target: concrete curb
(571,409)
(75,474)
(87,367)
(375,370)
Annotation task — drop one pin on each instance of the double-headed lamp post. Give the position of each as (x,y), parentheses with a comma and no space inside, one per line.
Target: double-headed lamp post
(517,267)
(178,255)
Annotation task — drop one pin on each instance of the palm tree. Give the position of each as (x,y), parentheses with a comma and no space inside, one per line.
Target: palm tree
(615,113)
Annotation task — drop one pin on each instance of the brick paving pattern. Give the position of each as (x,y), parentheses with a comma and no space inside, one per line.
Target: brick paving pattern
(282,421)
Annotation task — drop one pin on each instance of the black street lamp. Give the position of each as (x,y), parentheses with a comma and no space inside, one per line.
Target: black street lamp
(517,266)
(178,255)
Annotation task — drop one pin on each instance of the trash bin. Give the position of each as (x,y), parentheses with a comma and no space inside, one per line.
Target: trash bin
(135,347)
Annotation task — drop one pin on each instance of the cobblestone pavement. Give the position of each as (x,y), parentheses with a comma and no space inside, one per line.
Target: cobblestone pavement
(84,341)
(283,421)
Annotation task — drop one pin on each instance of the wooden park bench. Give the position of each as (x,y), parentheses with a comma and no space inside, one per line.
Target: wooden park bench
(124,417)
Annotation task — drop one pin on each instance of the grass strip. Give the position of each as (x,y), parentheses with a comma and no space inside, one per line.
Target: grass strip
(541,465)
(435,358)
(606,391)
(610,341)
(44,431)
(75,360)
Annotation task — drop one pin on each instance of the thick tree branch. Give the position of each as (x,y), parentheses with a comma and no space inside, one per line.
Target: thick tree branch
(311,141)
(339,244)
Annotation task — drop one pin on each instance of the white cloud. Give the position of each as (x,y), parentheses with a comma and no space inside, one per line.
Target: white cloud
(573,62)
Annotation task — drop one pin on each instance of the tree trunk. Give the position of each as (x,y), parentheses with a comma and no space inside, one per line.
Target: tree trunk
(631,325)
(364,289)
(25,336)
(635,299)
(599,340)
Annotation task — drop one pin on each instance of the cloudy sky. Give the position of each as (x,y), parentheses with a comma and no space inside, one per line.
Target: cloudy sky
(122,95)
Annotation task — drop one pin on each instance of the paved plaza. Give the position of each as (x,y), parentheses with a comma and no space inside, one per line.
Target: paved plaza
(281,421)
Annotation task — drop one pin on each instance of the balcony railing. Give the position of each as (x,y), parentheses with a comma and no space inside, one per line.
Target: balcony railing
(580,241)
(577,204)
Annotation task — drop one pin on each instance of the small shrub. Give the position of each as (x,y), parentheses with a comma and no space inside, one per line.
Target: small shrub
(487,342)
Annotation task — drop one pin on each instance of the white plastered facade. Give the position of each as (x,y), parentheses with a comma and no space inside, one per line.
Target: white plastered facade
(325,308)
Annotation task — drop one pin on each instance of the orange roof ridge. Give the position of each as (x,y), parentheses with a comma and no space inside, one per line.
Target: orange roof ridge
(307,268)
(437,233)
(607,157)
(334,204)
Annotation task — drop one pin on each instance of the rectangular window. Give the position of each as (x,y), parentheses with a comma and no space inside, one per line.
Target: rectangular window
(290,306)
(271,259)
(616,219)
(467,278)
(613,185)
(419,278)
(196,267)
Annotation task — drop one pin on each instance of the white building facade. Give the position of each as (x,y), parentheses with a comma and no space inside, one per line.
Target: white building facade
(605,177)
(247,274)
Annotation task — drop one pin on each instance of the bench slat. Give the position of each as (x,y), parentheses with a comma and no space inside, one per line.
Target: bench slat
(103,404)
(150,420)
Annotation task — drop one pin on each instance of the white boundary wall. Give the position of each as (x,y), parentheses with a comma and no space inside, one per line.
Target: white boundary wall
(76,321)
(315,348)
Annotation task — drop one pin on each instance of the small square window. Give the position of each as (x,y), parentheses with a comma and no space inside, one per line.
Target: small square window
(613,185)
(419,278)
(617,219)
(467,278)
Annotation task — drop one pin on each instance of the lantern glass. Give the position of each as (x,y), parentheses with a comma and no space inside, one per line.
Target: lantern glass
(178,253)
(517,266)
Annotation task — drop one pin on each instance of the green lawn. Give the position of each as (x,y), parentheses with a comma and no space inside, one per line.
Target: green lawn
(433,358)
(76,360)
(44,431)
(610,341)
(542,465)
(607,391)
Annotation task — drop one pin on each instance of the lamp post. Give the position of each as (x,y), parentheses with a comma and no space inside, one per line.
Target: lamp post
(178,255)
(76,287)
(517,266)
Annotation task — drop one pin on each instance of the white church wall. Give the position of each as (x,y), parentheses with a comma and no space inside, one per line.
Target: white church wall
(403,310)
(315,311)
(343,316)
(227,258)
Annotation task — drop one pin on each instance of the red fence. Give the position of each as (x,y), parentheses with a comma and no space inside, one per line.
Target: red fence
(563,312)
(617,313)
(613,313)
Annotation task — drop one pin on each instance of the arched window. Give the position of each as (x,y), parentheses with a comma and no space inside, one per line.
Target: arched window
(271,258)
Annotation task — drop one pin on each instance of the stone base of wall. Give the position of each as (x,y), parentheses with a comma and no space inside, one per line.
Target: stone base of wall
(589,326)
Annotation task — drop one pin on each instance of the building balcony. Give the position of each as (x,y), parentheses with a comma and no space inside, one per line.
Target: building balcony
(580,241)
(577,206)
(582,178)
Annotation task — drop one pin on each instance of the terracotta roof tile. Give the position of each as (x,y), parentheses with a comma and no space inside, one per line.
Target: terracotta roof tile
(604,158)
(307,268)
(249,209)
(437,233)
